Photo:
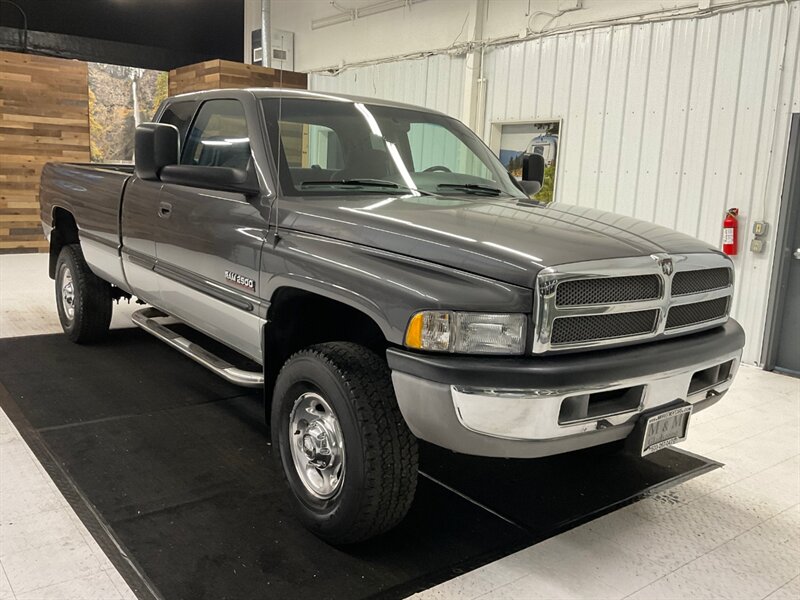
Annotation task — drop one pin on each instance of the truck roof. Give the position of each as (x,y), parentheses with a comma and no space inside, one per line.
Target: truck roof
(265,92)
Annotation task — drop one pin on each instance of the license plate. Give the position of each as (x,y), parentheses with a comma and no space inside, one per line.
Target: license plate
(665,429)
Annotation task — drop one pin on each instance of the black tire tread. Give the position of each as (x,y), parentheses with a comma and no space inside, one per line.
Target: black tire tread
(93,314)
(391,453)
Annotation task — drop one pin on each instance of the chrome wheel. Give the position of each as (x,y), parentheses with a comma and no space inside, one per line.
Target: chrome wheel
(317,445)
(67,294)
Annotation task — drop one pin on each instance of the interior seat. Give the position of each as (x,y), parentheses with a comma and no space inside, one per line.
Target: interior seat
(364,164)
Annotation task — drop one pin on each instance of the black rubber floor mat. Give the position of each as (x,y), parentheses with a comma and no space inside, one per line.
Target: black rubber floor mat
(171,468)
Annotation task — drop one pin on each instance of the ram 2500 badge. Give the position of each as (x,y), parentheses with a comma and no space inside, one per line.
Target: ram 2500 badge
(395,283)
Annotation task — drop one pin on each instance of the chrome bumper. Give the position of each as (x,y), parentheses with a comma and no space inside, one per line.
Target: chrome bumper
(537,414)
(538,406)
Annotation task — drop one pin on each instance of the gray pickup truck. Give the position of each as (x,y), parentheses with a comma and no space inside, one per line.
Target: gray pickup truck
(392,282)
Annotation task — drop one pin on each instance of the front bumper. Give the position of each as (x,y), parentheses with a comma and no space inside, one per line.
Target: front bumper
(539,406)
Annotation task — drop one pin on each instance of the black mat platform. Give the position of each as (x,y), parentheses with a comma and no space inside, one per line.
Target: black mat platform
(171,469)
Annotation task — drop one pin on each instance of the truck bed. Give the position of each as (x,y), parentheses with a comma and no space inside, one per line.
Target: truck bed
(92,193)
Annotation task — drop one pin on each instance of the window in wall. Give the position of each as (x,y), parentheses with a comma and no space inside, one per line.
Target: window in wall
(512,140)
(219,136)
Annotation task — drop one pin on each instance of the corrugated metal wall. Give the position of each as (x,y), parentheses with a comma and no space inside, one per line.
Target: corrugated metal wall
(435,82)
(671,122)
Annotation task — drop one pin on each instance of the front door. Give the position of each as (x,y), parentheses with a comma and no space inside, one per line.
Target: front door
(208,245)
(139,206)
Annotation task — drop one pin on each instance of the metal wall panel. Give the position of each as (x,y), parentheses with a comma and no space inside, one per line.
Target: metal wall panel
(671,121)
(436,82)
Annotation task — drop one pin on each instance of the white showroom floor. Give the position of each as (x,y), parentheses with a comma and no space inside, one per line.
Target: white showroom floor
(731,533)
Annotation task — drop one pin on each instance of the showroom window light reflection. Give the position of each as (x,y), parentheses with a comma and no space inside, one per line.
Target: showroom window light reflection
(534,259)
(369,118)
(398,161)
(392,148)
(379,204)
(368,273)
(336,262)
(226,142)
(409,223)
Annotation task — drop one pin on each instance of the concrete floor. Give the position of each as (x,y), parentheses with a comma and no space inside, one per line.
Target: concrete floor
(732,533)
(45,550)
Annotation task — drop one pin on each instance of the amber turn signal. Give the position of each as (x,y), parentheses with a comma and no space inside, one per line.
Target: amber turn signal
(414,332)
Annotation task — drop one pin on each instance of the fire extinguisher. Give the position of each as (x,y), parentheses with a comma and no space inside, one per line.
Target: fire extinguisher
(730,235)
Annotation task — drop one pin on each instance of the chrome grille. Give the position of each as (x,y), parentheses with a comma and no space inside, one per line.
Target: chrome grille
(608,290)
(701,280)
(684,315)
(598,303)
(568,330)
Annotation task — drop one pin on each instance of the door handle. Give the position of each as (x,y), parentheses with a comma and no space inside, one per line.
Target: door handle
(796,253)
(164,210)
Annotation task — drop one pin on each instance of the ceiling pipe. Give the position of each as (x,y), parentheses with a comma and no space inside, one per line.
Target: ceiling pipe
(266,33)
(348,15)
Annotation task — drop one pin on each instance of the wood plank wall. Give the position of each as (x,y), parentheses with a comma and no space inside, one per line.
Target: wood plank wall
(44,116)
(217,74)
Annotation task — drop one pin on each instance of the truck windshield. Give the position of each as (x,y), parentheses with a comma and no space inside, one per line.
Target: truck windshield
(337,148)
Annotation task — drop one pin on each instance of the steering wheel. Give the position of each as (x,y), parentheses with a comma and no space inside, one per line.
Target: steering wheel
(437,168)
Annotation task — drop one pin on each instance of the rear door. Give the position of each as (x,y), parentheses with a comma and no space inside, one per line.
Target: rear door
(209,242)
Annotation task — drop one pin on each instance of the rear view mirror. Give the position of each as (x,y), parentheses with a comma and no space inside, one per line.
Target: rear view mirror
(532,173)
(156,146)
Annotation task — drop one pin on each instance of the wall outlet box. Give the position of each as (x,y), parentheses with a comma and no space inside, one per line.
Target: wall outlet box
(757,246)
(760,228)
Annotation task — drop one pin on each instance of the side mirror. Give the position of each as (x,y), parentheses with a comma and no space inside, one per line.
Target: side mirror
(156,146)
(225,179)
(532,173)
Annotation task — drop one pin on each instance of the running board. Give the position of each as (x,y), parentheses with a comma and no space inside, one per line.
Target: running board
(146,319)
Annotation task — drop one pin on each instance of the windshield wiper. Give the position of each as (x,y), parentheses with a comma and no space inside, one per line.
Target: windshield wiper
(376,183)
(471,188)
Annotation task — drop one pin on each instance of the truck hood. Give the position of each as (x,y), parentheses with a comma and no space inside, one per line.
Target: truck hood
(506,239)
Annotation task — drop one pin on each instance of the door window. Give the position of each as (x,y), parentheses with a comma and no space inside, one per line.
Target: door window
(219,136)
(180,115)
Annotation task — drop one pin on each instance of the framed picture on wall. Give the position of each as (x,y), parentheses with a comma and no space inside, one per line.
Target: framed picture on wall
(510,140)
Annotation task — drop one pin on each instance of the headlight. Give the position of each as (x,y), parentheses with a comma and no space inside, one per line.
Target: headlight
(467,333)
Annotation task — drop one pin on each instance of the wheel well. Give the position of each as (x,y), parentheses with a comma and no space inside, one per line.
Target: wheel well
(65,231)
(298,319)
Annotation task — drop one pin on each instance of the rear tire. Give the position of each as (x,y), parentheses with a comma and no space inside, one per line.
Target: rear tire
(346,452)
(83,299)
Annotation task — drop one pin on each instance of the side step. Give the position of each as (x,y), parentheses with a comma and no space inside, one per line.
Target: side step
(146,319)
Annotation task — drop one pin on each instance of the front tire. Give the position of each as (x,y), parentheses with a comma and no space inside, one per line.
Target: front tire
(83,299)
(346,452)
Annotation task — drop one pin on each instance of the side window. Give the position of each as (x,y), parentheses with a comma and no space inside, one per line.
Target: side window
(179,114)
(218,137)
(435,146)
